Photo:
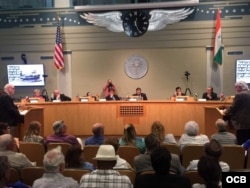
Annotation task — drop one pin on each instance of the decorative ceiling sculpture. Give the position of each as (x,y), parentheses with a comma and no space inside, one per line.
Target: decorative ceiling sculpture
(137,22)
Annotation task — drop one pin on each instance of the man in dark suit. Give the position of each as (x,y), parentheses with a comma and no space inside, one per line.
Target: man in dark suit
(112,96)
(140,94)
(210,95)
(58,96)
(8,110)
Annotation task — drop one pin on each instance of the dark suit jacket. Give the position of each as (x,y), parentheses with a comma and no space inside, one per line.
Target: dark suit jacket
(62,98)
(8,110)
(143,95)
(108,98)
(214,96)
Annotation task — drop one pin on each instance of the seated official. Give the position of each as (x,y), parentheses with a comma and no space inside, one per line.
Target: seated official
(140,94)
(178,92)
(37,94)
(112,96)
(90,95)
(58,96)
(210,95)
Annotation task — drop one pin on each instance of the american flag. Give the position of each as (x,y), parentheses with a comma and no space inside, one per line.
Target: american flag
(58,54)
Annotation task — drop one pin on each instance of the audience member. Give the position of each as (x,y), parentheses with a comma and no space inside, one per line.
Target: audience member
(213,149)
(143,163)
(9,111)
(210,94)
(54,164)
(112,96)
(37,93)
(16,160)
(60,135)
(161,162)
(98,135)
(209,169)
(130,138)
(108,86)
(191,135)
(58,96)
(74,158)
(246,144)
(120,163)
(178,92)
(240,87)
(5,175)
(104,175)
(33,133)
(4,128)
(237,115)
(223,136)
(158,130)
(138,93)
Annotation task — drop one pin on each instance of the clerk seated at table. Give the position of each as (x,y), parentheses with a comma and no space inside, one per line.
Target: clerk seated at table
(112,96)
(178,92)
(58,96)
(37,94)
(140,94)
(210,94)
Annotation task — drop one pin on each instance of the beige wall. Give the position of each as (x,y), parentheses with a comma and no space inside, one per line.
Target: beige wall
(98,55)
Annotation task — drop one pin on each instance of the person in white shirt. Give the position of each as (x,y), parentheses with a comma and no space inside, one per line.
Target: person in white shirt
(191,135)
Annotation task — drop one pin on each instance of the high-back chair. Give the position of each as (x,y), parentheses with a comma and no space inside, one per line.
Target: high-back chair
(30,174)
(234,156)
(128,153)
(64,146)
(128,172)
(194,177)
(89,152)
(191,152)
(14,175)
(173,148)
(76,174)
(34,151)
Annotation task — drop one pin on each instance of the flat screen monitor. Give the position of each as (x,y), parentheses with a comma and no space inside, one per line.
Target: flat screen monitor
(26,74)
(243,70)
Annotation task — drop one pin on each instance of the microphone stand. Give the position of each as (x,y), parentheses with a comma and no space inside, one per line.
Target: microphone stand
(187,89)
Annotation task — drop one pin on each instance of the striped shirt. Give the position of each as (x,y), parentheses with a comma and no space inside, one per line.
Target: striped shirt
(225,138)
(105,179)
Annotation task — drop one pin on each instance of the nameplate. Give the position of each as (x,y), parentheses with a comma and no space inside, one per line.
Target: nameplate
(202,100)
(84,100)
(102,100)
(179,99)
(34,100)
(132,99)
(56,101)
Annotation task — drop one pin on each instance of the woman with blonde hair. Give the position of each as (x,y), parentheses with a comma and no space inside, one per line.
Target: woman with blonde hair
(130,138)
(158,130)
(32,134)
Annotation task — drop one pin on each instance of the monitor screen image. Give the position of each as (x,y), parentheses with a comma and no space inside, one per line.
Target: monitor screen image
(26,75)
(243,70)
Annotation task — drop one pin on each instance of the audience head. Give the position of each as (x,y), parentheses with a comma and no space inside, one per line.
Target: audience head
(209,169)
(105,156)
(4,170)
(221,125)
(161,160)
(240,86)
(9,89)
(158,130)
(4,128)
(53,160)
(34,128)
(7,142)
(98,129)
(192,128)
(151,142)
(129,133)
(59,127)
(113,142)
(74,157)
(213,149)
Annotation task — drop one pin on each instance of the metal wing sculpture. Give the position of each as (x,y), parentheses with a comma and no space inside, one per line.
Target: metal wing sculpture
(159,19)
(111,20)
